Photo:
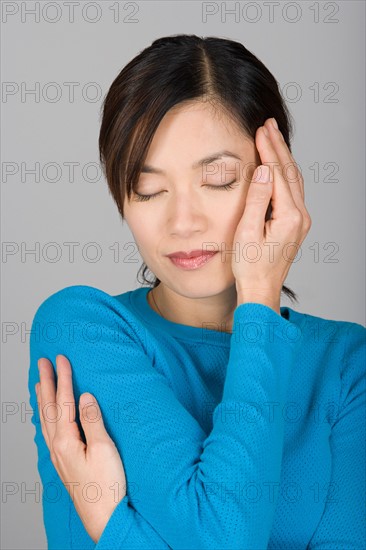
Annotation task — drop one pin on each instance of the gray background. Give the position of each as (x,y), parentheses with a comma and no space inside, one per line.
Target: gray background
(316,51)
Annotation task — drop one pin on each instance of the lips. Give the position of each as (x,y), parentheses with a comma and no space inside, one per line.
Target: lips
(192,263)
(191,254)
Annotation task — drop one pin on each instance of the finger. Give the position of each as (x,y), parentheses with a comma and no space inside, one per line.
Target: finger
(282,200)
(252,223)
(48,397)
(290,169)
(66,427)
(39,403)
(91,419)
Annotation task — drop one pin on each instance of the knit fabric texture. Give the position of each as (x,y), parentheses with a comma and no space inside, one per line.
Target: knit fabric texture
(247,440)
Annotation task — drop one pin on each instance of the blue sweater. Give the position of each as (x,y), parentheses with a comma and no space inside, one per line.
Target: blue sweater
(250,440)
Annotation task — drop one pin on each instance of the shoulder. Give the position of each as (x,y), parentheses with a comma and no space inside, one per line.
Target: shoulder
(352,374)
(335,348)
(348,337)
(345,334)
(342,347)
(331,365)
(77,293)
(353,366)
(88,308)
(73,301)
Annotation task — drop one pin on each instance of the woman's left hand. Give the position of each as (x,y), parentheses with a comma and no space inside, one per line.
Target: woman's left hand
(93,473)
(276,240)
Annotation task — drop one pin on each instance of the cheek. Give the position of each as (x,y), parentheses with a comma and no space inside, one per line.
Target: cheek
(230,217)
(144,233)
(228,224)
(138,219)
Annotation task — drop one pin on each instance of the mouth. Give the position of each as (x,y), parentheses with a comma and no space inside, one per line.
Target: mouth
(192,262)
(190,253)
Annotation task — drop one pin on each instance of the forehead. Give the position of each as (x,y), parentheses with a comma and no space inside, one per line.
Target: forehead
(189,132)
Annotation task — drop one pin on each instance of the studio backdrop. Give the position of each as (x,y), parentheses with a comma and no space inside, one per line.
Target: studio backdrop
(59,224)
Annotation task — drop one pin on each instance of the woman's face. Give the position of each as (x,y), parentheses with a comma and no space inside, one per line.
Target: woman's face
(187,214)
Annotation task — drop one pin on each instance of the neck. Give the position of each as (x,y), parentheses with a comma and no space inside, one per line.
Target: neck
(213,312)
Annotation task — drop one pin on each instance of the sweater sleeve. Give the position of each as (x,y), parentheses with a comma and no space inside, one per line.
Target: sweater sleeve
(134,532)
(343,523)
(196,491)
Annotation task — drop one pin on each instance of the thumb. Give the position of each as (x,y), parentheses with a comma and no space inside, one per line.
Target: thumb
(91,418)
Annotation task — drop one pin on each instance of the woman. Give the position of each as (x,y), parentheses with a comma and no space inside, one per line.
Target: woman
(235,422)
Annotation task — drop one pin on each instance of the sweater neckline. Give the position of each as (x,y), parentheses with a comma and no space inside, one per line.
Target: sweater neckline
(141,307)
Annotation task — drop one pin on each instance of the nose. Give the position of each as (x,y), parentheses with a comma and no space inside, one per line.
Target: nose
(185,215)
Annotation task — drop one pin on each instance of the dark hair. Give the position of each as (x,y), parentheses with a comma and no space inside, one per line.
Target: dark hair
(174,70)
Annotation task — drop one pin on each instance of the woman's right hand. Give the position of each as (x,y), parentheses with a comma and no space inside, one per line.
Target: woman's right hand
(267,248)
(93,473)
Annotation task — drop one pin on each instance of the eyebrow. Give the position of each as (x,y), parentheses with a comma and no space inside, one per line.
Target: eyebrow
(147,169)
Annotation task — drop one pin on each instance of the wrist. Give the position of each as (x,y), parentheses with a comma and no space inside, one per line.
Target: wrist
(96,531)
(258,298)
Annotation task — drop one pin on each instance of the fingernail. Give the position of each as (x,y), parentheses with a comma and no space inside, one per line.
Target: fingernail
(86,399)
(274,123)
(262,175)
(265,131)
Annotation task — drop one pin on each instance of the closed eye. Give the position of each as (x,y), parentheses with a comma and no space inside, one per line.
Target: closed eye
(226,187)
